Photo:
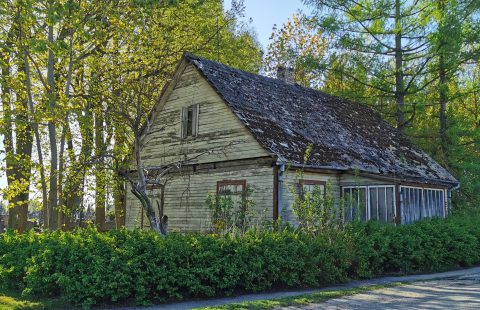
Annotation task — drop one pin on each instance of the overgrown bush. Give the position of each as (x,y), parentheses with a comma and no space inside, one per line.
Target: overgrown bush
(89,267)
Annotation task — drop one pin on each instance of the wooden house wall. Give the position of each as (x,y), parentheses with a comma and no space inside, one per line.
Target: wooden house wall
(186,194)
(337,181)
(218,127)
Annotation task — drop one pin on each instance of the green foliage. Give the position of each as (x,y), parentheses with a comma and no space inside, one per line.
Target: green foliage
(88,267)
(228,215)
(316,210)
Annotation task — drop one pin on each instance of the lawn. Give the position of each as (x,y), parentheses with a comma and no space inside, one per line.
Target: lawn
(13,301)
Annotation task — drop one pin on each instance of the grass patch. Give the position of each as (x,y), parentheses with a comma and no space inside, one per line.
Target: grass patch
(13,301)
(302,299)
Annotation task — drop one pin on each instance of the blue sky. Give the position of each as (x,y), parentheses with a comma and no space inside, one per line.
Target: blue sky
(264,13)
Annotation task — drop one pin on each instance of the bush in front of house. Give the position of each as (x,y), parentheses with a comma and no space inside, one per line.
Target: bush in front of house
(88,267)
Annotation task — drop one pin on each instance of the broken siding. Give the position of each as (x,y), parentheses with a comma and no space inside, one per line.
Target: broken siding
(185,196)
(218,127)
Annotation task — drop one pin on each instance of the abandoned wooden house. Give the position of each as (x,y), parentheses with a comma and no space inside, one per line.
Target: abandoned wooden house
(263,125)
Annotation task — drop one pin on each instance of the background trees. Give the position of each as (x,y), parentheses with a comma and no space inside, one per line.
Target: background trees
(74,72)
(416,62)
(69,68)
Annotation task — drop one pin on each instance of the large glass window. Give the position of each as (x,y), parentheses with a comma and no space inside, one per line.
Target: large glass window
(418,203)
(369,202)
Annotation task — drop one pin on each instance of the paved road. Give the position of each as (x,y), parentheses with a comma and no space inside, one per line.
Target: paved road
(454,293)
(458,289)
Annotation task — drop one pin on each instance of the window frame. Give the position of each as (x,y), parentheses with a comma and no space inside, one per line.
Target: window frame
(423,189)
(367,188)
(303,182)
(184,121)
(221,183)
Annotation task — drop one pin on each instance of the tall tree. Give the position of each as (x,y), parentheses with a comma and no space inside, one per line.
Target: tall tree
(16,128)
(386,41)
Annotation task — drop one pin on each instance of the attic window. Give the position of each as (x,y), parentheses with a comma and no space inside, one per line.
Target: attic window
(189,121)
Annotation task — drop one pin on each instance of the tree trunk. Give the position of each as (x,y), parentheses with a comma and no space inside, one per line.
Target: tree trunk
(18,145)
(23,156)
(36,131)
(139,189)
(399,77)
(118,183)
(443,87)
(100,177)
(52,133)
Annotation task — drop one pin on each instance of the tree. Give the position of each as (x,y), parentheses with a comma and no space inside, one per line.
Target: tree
(300,45)
(386,42)
(15,124)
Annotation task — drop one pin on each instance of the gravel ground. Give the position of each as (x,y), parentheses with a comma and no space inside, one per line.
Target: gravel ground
(458,289)
(455,293)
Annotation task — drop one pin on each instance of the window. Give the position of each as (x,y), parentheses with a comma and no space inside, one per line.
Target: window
(232,188)
(189,121)
(355,203)
(418,203)
(382,203)
(309,186)
(369,202)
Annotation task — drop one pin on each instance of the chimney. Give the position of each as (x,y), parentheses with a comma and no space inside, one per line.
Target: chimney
(286,74)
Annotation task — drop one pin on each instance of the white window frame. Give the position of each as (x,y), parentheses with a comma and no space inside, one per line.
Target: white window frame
(367,193)
(424,189)
(351,188)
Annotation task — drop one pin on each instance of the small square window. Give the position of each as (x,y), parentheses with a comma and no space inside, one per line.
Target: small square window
(232,188)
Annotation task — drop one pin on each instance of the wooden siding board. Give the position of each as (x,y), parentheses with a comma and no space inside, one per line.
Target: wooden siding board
(185,197)
(218,126)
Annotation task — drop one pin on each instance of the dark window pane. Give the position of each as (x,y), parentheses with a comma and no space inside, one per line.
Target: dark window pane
(382,206)
(442,204)
(390,205)
(373,203)
(189,122)
(348,204)
(362,204)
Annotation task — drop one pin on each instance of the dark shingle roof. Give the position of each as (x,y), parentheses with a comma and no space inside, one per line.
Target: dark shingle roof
(344,135)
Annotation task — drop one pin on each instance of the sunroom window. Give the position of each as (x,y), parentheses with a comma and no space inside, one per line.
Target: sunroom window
(369,202)
(418,203)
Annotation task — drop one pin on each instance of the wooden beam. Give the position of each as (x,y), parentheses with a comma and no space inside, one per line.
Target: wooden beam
(275,193)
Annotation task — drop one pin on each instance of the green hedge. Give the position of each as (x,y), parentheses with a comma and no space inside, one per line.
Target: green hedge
(88,267)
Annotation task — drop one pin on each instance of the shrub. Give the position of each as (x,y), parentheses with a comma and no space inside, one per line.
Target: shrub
(89,267)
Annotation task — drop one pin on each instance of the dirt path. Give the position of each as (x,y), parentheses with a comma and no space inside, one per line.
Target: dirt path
(454,293)
(459,288)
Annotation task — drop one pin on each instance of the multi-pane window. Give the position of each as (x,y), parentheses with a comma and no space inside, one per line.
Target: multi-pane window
(355,203)
(369,202)
(309,186)
(232,188)
(189,127)
(382,203)
(418,203)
